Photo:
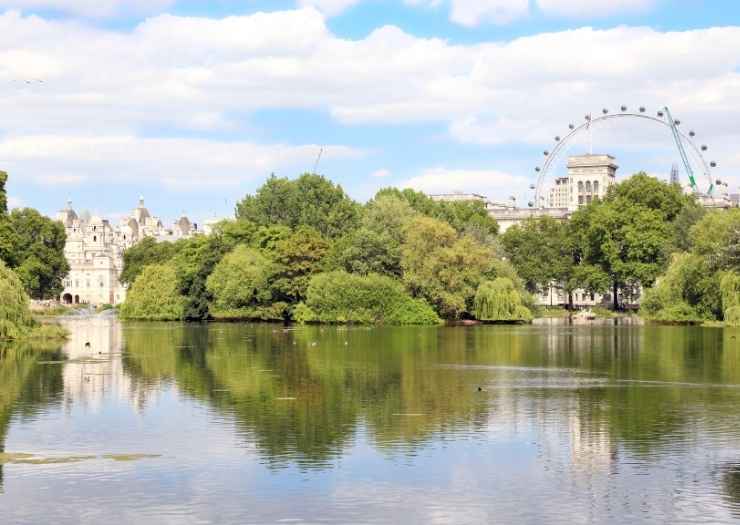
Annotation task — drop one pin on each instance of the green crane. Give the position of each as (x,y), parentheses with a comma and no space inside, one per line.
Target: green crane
(682,151)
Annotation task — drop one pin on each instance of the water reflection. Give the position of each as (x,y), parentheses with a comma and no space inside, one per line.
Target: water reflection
(483,418)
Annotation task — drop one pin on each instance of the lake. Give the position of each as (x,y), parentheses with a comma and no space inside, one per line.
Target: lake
(256,423)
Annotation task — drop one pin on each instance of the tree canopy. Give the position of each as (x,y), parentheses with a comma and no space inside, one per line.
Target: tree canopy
(310,200)
(155,295)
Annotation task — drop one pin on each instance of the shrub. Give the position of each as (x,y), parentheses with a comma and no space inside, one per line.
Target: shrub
(340,297)
(499,300)
(154,295)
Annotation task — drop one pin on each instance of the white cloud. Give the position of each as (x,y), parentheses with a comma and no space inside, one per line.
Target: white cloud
(493,184)
(177,163)
(381,173)
(178,75)
(474,12)
(329,7)
(593,8)
(92,8)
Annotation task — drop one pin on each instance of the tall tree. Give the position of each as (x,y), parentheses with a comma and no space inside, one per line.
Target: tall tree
(311,200)
(38,253)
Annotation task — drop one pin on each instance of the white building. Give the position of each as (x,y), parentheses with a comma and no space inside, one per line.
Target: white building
(589,177)
(94,250)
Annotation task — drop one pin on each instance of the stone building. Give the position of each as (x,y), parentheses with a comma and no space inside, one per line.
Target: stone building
(589,177)
(95,248)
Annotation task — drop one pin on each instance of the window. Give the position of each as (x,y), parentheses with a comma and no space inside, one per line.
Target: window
(588,186)
(588,199)
(580,186)
(95,238)
(580,199)
(596,187)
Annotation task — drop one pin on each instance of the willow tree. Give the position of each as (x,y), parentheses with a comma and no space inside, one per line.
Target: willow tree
(15,317)
(730,286)
(500,301)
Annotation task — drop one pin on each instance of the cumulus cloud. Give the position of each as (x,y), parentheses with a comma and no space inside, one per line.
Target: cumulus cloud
(92,8)
(490,183)
(175,75)
(381,173)
(177,163)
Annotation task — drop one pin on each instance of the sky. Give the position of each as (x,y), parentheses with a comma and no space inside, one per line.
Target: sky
(192,103)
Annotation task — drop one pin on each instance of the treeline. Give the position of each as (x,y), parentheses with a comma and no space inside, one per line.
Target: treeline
(303,250)
(643,232)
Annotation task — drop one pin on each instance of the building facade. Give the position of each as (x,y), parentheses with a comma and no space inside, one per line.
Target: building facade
(94,251)
(589,178)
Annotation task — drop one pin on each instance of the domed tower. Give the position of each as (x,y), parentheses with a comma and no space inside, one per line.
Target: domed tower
(141,214)
(67,216)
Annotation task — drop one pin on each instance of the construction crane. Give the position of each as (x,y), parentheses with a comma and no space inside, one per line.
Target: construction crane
(682,151)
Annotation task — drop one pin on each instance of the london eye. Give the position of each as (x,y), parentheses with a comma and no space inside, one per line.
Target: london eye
(684,142)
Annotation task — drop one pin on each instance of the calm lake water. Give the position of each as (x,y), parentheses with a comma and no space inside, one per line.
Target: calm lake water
(227,423)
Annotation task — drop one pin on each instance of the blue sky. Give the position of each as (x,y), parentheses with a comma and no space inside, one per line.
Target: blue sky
(192,104)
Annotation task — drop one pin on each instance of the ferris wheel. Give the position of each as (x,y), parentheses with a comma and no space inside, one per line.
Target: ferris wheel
(684,142)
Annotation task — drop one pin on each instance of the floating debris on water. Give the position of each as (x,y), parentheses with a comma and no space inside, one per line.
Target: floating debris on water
(285,399)
(130,457)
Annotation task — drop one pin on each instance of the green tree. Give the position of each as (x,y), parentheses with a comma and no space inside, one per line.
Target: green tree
(469,217)
(194,262)
(541,251)
(241,283)
(365,251)
(730,286)
(341,297)
(499,300)
(625,240)
(442,268)
(155,295)
(715,237)
(37,253)
(311,200)
(144,253)
(298,256)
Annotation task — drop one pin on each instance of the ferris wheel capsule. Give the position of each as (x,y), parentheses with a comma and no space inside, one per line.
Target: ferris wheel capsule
(557,138)
(537,169)
(571,126)
(642,109)
(605,111)
(677,122)
(660,114)
(623,108)
(546,153)
(587,117)
(530,204)
(719,182)
(713,164)
(704,147)
(692,134)
(532,186)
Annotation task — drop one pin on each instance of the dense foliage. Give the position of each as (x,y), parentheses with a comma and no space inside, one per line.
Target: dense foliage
(155,295)
(341,297)
(499,300)
(618,245)
(702,283)
(278,259)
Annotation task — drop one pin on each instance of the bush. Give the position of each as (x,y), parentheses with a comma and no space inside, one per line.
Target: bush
(499,301)
(155,295)
(340,297)
(680,312)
